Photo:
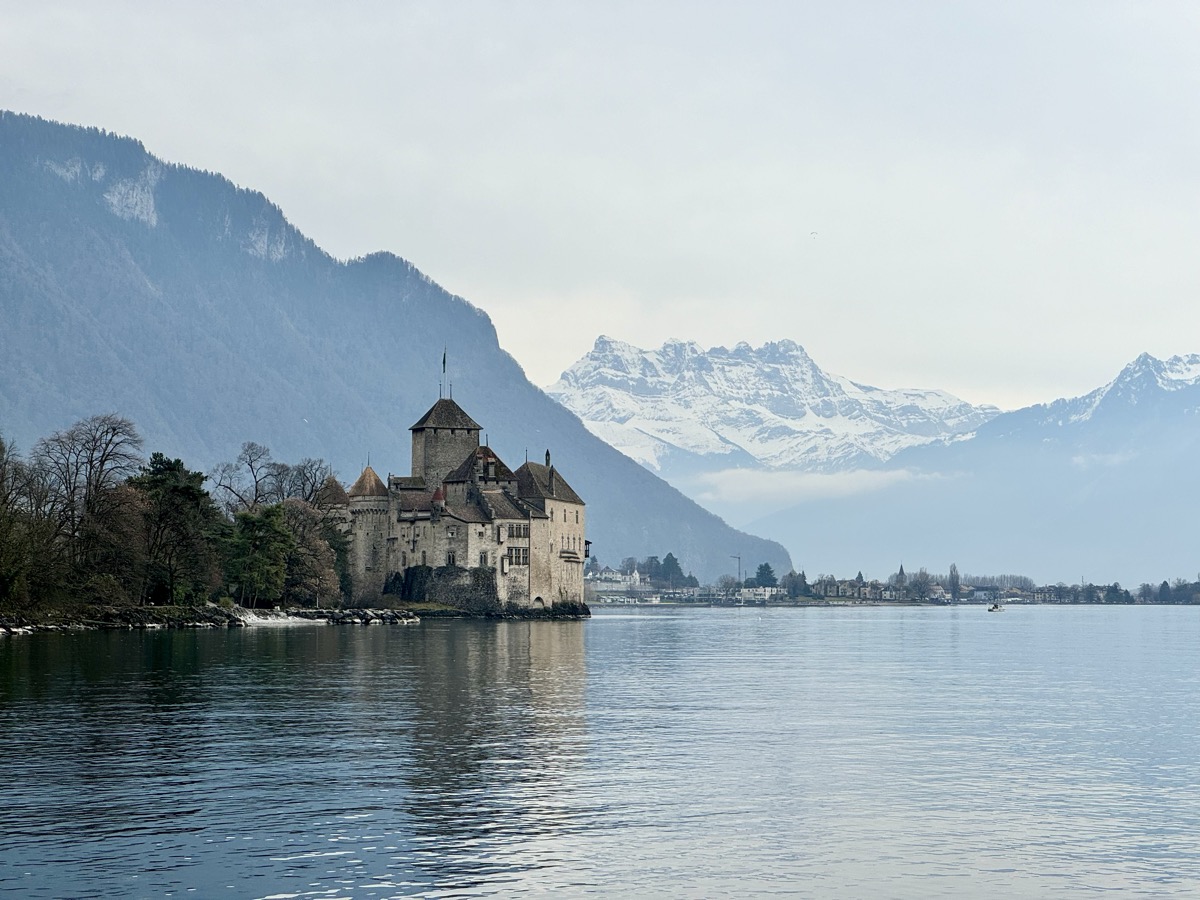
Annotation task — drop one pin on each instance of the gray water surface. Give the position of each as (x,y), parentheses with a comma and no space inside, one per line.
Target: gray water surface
(862,752)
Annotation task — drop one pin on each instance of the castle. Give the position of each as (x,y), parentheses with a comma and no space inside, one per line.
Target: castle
(463,507)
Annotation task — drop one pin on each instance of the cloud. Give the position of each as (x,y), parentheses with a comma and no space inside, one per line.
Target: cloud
(1103,460)
(763,490)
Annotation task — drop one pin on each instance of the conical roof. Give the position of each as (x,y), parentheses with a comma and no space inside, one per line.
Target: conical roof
(368,485)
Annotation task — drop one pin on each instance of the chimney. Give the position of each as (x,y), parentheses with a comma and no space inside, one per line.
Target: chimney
(547,459)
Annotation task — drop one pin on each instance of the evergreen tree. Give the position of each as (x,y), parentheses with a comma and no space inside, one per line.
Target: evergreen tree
(765,576)
(671,573)
(179,523)
(257,561)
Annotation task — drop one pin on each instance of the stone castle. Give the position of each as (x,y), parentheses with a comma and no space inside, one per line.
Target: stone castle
(463,507)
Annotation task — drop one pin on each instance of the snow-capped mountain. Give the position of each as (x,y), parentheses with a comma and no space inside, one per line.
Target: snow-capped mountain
(1101,486)
(1144,390)
(681,408)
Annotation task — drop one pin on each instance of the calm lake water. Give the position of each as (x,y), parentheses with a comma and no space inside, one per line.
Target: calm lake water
(869,752)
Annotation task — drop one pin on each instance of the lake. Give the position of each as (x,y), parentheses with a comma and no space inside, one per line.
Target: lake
(823,752)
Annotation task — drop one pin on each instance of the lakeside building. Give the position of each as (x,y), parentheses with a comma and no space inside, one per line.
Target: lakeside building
(462,507)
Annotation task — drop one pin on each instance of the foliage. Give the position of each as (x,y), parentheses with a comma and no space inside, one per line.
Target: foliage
(257,554)
(765,576)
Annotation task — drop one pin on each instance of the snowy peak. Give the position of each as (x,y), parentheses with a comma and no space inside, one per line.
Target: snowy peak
(770,406)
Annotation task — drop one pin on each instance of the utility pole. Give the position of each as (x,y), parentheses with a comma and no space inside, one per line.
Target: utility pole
(739,559)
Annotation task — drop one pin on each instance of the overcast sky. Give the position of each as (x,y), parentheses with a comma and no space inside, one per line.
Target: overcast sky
(997,199)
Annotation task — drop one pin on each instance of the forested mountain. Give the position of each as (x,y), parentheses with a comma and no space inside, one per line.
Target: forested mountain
(191,306)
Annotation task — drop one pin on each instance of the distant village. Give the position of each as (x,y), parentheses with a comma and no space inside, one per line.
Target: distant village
(638,582)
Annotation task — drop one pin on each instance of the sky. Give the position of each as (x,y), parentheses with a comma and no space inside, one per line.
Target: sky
(1001,200)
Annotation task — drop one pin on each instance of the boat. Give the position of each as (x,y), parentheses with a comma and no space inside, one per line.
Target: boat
(995,607)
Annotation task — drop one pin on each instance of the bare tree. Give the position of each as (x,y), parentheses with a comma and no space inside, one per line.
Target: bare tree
(256,479)
(82,466)
(920,584)
(246,484)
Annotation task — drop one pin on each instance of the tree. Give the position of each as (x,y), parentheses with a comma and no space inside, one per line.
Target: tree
(1164,593)
(765,576)
(727,584)
(257,559)
(650,568)
(179,524)
(955,583)
(310,576)
(82,465)
(671,573)
(796,585)
(920,584)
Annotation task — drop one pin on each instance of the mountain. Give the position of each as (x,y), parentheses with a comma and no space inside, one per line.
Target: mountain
(194,308)
(1101,487)
(680,410)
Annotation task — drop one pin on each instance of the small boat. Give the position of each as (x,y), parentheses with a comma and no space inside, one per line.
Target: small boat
(995,607)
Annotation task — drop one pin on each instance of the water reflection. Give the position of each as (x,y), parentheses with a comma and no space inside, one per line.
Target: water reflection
(443,748)
(904,753)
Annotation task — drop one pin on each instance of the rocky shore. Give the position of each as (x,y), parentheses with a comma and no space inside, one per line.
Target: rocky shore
(211,615)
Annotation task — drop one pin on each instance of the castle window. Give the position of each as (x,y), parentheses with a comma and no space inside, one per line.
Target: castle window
(422,557)
(483,559)
(451,531)
(518,556)
(576,517)
(404,560)
(450,558)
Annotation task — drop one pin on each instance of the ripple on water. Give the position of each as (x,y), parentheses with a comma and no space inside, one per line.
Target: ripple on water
(691,753)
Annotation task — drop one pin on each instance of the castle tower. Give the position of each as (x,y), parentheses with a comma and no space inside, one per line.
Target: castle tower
(441,440)
(369,520)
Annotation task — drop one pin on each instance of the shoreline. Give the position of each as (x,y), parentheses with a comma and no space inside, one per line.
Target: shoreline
(211,615)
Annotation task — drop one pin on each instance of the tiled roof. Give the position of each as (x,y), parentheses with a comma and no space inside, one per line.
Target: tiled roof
(483,454)
(368,485)
(445,414)
(533,482)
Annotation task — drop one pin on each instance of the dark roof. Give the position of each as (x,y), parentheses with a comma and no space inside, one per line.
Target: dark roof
(445,414)
(503,506)
(533,483)
(368,485)
(482,454)
(467,512)
(414,501)
(406,483)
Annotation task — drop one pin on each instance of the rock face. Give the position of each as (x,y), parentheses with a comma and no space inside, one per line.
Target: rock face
(680,408)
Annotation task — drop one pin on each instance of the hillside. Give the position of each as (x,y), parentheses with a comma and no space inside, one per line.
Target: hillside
(194,308)
(1101,487)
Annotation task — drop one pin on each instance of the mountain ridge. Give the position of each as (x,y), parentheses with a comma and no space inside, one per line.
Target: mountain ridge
(770,406)
(193,307)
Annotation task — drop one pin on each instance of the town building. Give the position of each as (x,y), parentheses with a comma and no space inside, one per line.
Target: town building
(462,507)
